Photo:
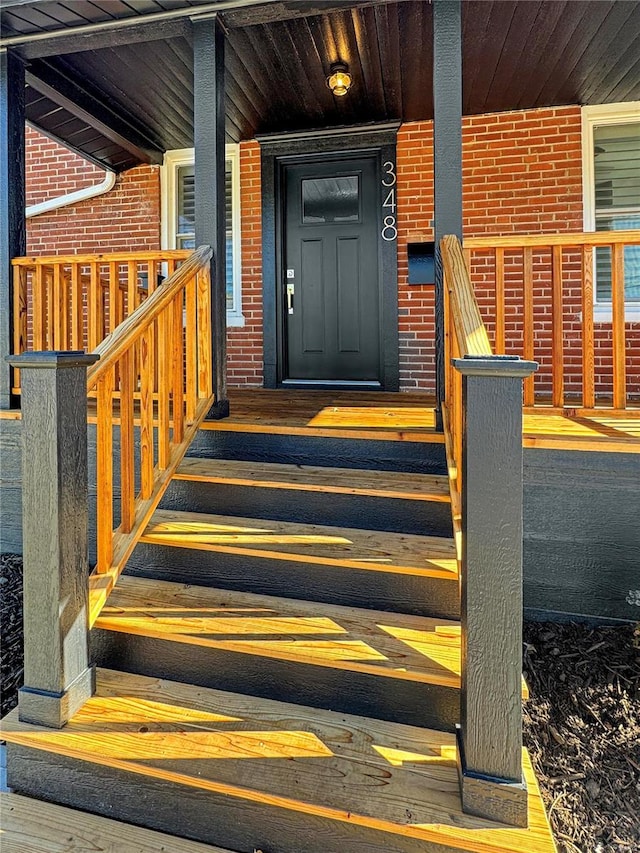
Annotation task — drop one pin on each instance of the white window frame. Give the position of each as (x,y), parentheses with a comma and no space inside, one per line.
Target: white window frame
(592,117)
(173,161)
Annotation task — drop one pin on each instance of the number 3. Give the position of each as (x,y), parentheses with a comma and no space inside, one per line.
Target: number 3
(389,171)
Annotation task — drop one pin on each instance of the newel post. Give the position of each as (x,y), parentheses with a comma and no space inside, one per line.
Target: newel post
(490,730)
(58,678)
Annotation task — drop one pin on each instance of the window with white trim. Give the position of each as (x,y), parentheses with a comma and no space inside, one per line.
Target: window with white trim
(611,140)
(178,216)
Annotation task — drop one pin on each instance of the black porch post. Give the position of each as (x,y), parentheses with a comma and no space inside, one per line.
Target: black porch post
(447,154)
(209,143)
(58,676)
(13,241)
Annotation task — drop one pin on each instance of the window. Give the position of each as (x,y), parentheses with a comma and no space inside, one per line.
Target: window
(178,216)
(611,140)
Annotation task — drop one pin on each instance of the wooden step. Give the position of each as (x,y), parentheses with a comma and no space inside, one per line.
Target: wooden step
(251,774)
(33,826)
(394,666)
(345,481)
(369,550)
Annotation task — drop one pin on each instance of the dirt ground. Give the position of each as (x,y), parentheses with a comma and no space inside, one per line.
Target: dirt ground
(582,728)
(581,724)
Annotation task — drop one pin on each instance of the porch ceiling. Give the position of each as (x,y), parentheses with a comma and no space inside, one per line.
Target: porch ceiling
(516,55)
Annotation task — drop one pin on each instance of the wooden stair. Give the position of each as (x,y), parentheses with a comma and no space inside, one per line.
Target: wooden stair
(294,602)
(260,775)
(32,826)
(398,667)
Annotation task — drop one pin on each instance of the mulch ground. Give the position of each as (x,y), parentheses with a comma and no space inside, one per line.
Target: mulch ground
(581,724)
(582,728)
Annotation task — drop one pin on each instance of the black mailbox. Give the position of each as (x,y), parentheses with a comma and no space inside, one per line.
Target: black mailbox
(421,263)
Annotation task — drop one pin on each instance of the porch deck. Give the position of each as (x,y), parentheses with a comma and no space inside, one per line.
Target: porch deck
(405,416)
(410,416)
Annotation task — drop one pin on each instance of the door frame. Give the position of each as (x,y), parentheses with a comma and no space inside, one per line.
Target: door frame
(376,141)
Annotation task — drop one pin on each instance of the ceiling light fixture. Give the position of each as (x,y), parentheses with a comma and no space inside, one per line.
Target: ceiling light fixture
(339,81)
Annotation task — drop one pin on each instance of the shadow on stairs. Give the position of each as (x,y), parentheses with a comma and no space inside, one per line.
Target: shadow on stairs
(279,668)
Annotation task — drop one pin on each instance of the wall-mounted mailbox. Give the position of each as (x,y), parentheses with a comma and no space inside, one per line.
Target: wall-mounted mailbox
(421,263)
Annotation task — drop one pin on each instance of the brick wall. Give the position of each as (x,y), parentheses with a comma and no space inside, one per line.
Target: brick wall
(244,345)
(126,218)
(522,173)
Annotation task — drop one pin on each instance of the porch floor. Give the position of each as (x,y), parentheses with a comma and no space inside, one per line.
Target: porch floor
(410,417)
(406,416)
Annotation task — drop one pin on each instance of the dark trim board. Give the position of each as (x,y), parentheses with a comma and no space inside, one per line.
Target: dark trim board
(276,153)
(581,533)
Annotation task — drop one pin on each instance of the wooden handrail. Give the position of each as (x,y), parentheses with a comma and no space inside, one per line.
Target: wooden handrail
(547,283)
(564,238)
(464,311)
(102,257)
(71,302)
(131,329)
(155,367)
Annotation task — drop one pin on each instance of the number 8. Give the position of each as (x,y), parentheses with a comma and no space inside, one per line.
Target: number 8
(389,228)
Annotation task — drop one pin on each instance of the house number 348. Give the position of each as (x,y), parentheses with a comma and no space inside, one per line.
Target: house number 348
(389,228)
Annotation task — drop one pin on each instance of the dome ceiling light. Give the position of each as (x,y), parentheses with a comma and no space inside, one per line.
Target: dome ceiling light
(339,81)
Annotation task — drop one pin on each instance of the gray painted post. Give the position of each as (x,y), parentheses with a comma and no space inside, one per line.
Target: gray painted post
(490,731)
(447,156)
(12,201)
(57,676)
(210,205)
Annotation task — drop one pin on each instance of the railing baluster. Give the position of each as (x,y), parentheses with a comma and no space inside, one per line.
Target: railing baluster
(39,309)
(557,330)
(191,353)
(127,442)
(165,359)
(56,310)
(618,327)
(588,357)
(177,369)
(94,303)
(104,471)
(49,309)
(500,302)
(527,320)
(204,334)
(132,287)
(77,308)
(146,413)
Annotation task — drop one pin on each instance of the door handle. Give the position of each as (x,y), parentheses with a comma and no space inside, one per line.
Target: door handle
(290,292)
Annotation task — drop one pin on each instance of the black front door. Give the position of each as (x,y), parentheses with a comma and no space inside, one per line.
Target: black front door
(331,276)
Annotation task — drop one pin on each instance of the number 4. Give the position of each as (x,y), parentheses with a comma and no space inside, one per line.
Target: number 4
(390,200)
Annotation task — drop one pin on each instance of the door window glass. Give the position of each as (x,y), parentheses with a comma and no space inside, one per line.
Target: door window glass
(330,200)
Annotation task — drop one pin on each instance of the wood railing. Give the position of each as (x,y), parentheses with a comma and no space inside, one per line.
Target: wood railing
(72,302)
(465,335)
(153,378)
(537,295)
(482,415)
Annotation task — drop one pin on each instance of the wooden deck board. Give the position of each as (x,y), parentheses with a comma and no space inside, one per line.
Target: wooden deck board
(397,646)
(347,481)
(33,826)
(406,417)
(384,776)
(430,556)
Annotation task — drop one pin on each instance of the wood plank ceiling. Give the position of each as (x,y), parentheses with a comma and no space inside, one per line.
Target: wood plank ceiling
(516,55)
